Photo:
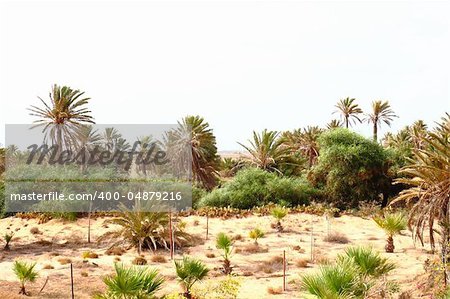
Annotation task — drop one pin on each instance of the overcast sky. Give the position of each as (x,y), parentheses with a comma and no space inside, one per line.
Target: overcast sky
(242,65)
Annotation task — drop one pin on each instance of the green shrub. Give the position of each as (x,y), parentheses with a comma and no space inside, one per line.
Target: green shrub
(255,187)
(350,168)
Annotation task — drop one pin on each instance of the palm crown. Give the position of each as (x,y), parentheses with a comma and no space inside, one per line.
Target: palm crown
(349,111)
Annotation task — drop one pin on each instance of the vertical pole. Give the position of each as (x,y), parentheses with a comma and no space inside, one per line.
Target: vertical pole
(71,279)
(207,225)
(312,239)
(284,270)
(170,235)
(89,222)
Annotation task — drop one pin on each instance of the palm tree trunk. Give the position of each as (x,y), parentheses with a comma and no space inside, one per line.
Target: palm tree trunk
(227,267)
(346,122)
(375,132)
(390,245)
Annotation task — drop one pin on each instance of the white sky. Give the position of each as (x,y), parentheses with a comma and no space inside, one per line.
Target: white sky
(242,65)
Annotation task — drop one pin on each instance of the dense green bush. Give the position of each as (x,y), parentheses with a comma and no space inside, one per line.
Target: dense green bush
(254,187)
(350,169)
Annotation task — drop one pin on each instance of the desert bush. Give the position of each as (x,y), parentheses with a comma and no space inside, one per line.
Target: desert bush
(274,290)
(256,234)
(271,265)
(145,230)
(255,187)
(139,260)
(358,273)
(25,273)
(89,255)
(225,243)
(190,271)
(350,168)
(157,258)
(35,230)
(301,263)
(392,224)
(336,237)
(226,288)
(64,261)
(131,283)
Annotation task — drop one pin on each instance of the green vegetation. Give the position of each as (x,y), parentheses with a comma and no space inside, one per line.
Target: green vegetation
(8,238)
(225,243)
(356,274)
(255,187)
(256,234)
(25,273)
(132,283)
(350,169)
(145,230)
(392,224)
(190,271)
(279,213)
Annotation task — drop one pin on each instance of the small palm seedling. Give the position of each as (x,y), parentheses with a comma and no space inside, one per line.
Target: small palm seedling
(392,224)
(279,213)
(225,243)
(367,262)
(189,271)
(132,283)
(8,238)
(256,234)
(25,273)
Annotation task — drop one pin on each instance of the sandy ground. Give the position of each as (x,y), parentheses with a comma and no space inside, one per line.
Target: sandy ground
(58,240)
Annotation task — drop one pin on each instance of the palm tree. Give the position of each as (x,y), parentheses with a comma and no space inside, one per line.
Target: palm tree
(8,238)
(256,234)
(392,224)
(349,111)
(279,213)
(143,229)
(418,133)
(428,176)
(195,136)
(334,124)
(368,262)
(381,112)
(189,271)
(267,151)
(132,283)
(25,273)
(61,117)
(225,243)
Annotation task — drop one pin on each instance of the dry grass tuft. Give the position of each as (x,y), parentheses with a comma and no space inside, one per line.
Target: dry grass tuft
(196,222)
(89,255)
(48,267)
(274,290)
(115,251)
(117,259)
(301,263)
(84,274)
(247,273)
(238,237)
(336,237)
(64,261)
(140,261)
(272,265)
(210,255)
(254,248)
(35,231)
(158,258)
(299,249)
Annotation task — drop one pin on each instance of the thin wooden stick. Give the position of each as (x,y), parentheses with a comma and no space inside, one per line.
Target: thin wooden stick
(45,283)
(71,279)
(171,236)
(284,270)
(89,222)
(207,225)
(312,239)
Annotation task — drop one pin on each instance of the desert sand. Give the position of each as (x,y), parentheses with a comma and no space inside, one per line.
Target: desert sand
(57,243)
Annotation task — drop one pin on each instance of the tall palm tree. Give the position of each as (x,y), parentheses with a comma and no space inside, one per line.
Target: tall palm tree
(381,112)
(428,176)
(62,116)
(195,136)
(349,111)
(418,133)
(334,123)
(267,151)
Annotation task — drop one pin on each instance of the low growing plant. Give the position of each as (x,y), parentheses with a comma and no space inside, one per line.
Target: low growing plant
(392,224)
(189,272)
(256,234)
(25,272)
(225,243)
(279,213)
